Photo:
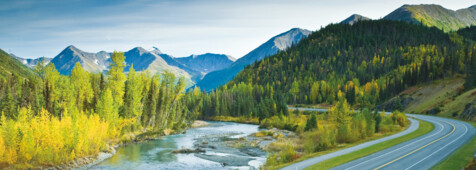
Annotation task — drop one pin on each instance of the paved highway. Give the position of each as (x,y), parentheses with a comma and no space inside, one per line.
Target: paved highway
(419,153)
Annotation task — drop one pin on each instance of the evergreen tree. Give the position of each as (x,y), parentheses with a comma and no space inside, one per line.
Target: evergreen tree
(311,123)
(8,105)
(470,73)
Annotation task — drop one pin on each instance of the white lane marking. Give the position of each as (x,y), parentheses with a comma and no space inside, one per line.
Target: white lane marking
(466,131)
(436,122)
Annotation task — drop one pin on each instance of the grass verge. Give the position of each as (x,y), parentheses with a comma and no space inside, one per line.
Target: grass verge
(460,158)
(339,147)
(424,128)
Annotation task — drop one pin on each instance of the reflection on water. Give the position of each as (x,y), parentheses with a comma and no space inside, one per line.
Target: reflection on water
(157,154)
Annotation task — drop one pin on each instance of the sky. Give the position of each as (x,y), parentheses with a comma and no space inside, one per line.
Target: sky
(36,28)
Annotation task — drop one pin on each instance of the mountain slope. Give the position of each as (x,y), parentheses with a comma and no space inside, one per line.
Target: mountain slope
(271,47)
(92,62)
(142,59)
(354,18)
(10,65)
(365,63)
(435,15)
(442,97)
(449,97)
(206,63)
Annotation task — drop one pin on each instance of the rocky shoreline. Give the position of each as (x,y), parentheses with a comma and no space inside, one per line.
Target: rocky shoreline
(199,123)
(235,152)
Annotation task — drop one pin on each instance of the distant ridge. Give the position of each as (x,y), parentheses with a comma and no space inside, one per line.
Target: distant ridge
(31,62)
(435,15)
(354,18)
(208,62)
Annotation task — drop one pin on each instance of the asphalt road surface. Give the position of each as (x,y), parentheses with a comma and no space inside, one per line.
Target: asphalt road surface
(419,153)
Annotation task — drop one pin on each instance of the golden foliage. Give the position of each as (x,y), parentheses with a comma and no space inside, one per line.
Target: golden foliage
(47,140)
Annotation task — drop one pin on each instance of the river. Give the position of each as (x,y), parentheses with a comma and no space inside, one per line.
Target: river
(157,154)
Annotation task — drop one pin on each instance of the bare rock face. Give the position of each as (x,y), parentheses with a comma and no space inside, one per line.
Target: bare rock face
(469,111)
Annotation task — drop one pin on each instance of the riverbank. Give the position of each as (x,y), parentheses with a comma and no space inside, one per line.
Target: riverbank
(84,162)
(90,161)
(246,120)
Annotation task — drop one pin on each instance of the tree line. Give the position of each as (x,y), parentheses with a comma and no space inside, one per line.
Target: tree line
(50,119)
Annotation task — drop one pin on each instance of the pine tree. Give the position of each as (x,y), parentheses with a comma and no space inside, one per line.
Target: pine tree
(311,123)
(8,105)
(470,74)
(133,96)
(150,106)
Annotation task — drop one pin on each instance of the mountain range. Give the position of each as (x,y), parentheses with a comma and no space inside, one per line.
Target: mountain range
(208,71)
(203,68)
(141,59)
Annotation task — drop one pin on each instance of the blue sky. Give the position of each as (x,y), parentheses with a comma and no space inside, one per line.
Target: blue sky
(35,28)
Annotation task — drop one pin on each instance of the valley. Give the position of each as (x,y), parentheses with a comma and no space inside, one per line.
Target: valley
(397,92)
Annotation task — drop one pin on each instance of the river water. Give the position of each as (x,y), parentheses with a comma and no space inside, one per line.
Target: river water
(157,154)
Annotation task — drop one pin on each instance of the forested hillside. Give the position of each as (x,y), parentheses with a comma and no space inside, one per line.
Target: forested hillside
(51,119)
(10,65)
(369,62)
(450,97)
